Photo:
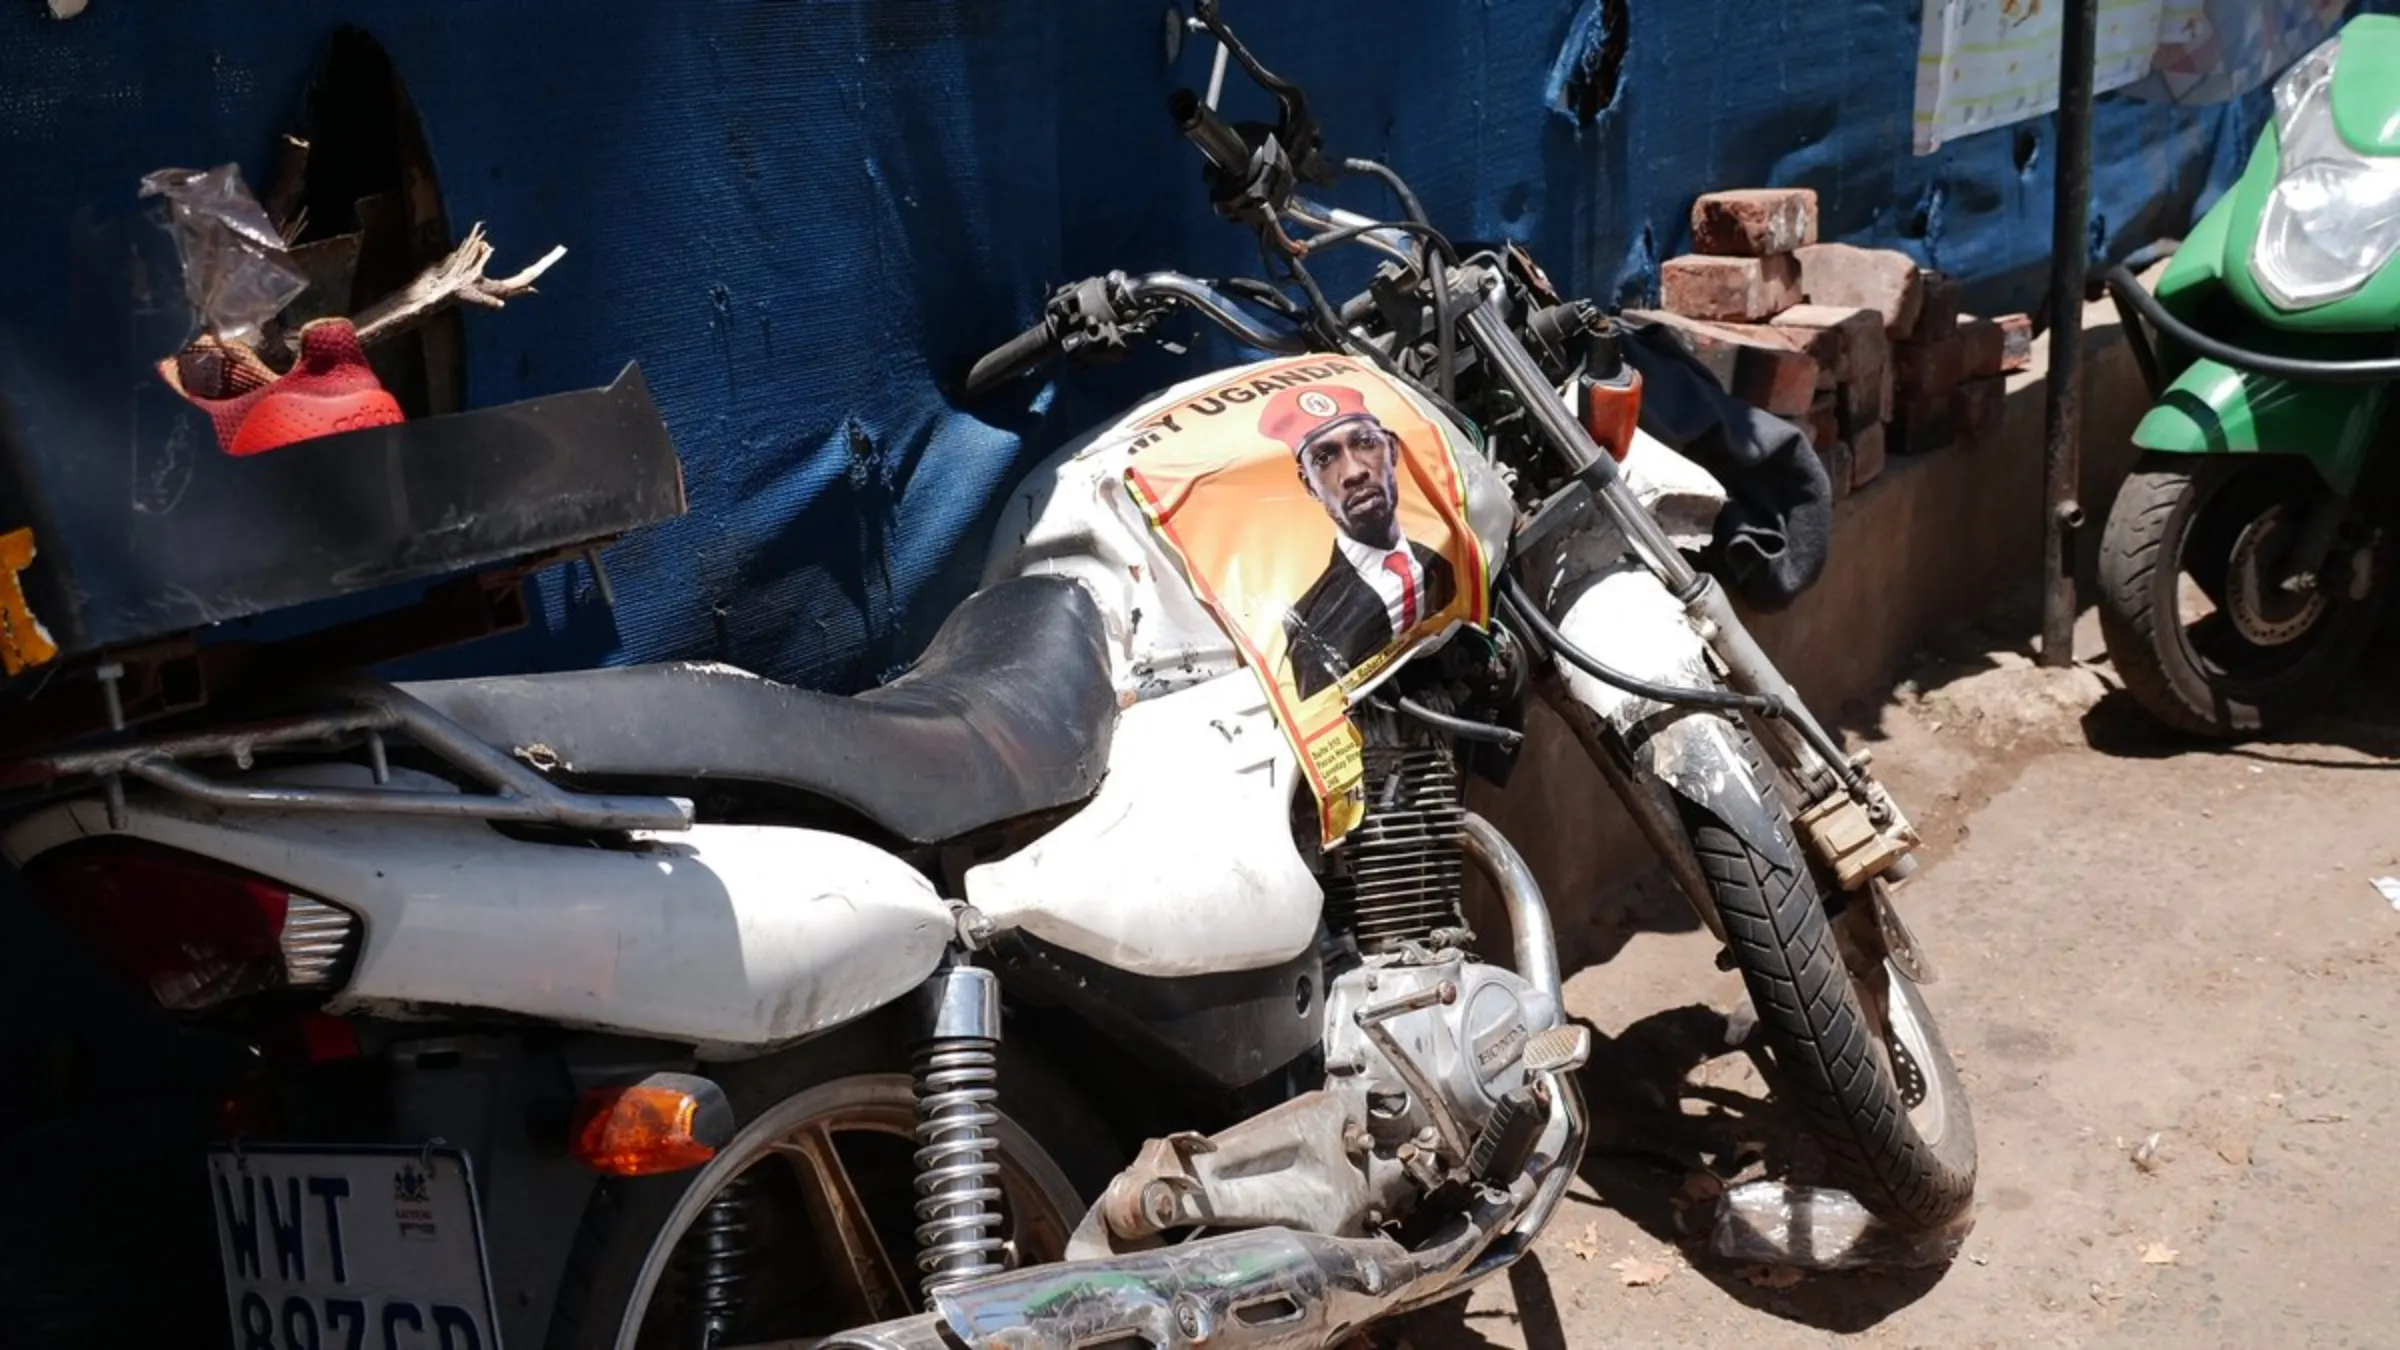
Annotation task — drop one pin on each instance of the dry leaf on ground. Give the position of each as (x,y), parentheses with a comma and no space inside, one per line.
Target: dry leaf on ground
(2235,1151)
(1587,1246)
(2159,1254)
(1640,1272)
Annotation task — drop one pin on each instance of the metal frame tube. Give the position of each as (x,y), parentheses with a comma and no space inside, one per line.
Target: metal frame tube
(2062,396)
(518,793)
(1521,895)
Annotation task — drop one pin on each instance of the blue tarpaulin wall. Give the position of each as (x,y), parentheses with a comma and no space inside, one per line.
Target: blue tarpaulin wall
(804,219)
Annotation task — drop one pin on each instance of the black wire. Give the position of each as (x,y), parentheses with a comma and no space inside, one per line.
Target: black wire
(1433,237)
(1437,270)
(1391,179)
(1466,729)
(1722,700)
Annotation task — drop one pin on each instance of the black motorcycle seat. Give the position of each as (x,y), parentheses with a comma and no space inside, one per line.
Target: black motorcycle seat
(1009,712)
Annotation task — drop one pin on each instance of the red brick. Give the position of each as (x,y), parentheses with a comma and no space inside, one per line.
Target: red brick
(1867,393)
(1920,428)
(1866,456)
(1839,467)
(1984,347)
(1740,290)
(1754,222)
(1977,407)
(1771,372)
(1824,422)
(1714,345)
(1940,311)
(2017,341)
(1763,366)
(1864,278)
(1927,371)
(1841,338)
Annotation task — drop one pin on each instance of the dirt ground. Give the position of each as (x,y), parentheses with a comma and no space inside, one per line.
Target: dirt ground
(2136,938)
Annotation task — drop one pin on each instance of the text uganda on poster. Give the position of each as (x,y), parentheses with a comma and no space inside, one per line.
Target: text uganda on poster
(1317,510)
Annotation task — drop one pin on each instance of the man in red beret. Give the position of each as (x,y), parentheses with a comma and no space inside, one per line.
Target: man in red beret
(1377,584)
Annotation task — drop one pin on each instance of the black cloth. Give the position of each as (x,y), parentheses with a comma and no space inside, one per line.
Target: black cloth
(1340,621)
(1777,525)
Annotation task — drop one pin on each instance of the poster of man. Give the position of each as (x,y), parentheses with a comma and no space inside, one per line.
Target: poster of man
(1378,582)
(1317,510)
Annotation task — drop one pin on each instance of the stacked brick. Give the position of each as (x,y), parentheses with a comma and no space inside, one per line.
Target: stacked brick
(1860,347)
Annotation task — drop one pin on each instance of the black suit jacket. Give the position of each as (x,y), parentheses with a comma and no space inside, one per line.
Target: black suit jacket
(1340,620)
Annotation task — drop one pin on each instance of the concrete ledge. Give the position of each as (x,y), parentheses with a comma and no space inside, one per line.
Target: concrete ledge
(1935,541)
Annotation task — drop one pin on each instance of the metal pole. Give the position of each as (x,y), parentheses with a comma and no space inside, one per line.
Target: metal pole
(2062,395)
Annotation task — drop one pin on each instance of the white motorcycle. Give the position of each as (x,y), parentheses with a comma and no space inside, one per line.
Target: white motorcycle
(672,1006)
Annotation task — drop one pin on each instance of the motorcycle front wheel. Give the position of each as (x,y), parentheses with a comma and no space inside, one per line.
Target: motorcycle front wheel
(804,1225)
(2199,624)
(1852,1043)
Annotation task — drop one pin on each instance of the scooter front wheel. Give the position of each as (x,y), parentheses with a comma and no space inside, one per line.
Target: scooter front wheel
(2203,621)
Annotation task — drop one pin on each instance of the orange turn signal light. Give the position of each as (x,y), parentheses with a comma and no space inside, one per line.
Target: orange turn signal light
(665,1123)
(1611,411)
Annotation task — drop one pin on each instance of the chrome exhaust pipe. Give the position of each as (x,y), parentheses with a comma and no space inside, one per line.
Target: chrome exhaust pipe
(1265,1289)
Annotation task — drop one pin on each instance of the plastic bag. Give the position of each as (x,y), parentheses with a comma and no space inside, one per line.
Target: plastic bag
(234,269)
(1770,1223)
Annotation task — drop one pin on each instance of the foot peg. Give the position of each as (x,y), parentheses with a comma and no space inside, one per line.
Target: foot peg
(1559,1049)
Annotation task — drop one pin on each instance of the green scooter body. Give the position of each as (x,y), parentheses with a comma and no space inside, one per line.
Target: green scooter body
(2210,408)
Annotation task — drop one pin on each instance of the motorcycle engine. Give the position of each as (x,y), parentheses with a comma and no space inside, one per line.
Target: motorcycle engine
(1416,1015)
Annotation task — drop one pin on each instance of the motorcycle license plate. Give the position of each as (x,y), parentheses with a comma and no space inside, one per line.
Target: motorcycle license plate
(359,1248)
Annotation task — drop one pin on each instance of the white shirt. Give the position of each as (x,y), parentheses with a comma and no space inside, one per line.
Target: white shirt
(1369,560)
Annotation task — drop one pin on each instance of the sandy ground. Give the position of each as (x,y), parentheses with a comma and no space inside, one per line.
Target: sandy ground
(2135,937)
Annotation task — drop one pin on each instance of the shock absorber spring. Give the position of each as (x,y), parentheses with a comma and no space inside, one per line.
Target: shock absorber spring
(712,1264)
(957,1170)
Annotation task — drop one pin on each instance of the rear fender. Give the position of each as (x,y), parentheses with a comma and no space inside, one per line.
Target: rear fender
(2214,409)
(1627,620)
(730,938)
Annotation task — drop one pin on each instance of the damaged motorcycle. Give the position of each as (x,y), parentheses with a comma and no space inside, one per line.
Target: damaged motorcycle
(734,1013)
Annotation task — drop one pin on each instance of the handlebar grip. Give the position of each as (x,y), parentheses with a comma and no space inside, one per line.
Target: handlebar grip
(1221,144)
(1010,359)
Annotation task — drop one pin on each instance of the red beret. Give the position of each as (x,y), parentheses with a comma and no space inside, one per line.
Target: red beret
(1295,416)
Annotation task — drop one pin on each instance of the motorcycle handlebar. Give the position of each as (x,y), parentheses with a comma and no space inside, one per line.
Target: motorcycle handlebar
(1011,359)
(1133,302)
(1220,144)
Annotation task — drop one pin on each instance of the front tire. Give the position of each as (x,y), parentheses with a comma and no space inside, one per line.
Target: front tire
(1852,1042)
(822,1148)
(2197,626)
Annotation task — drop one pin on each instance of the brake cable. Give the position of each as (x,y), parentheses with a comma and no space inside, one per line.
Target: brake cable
(1522,609)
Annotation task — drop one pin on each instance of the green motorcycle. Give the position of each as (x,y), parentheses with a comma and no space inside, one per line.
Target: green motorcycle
(2247,558)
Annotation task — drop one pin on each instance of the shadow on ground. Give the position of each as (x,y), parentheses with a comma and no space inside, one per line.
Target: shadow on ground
(1670,1126)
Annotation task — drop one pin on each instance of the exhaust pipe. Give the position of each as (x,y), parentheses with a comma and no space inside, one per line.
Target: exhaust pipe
(1280,1288)
(1266,1289)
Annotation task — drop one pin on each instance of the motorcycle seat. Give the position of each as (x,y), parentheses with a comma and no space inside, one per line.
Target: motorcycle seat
(1009,712)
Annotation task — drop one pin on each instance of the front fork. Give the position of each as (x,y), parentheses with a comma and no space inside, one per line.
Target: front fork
(1648,750)
(1846,816)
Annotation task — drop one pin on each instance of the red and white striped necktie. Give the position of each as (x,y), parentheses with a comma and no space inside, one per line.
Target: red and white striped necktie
(1402,566)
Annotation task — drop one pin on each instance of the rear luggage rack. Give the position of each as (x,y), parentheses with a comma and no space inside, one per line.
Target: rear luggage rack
(370,709)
